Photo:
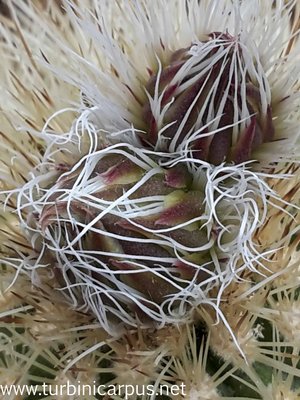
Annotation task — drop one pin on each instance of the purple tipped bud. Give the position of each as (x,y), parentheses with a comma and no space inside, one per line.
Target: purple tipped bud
(213,100)
(121,242)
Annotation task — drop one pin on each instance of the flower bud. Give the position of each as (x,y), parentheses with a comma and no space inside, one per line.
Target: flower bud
(212,99)
(134,242)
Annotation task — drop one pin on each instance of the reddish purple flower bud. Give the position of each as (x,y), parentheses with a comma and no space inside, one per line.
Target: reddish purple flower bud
(211,100)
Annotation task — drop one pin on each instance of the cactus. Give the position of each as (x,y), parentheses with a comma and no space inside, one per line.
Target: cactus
(149,196)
